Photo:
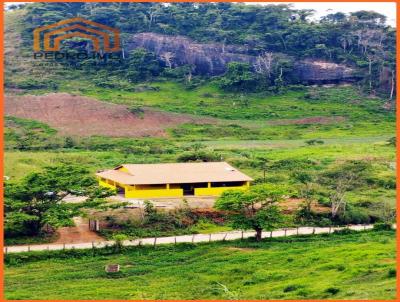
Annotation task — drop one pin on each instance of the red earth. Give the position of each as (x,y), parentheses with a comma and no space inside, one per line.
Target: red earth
(82,116)
(79,233)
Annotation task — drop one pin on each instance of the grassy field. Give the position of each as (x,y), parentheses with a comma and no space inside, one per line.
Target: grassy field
(242,154)
(351,266)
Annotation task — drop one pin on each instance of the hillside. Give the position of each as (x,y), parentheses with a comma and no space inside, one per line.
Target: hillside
(79,116)
(277,43)
(304,107)
(354,266)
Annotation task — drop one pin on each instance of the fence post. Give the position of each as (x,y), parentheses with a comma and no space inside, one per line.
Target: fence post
(285,231)
(193,238)
(6,250)
(270,234)
(225,237)
(297,231)
(175,240)
(155,241)
(29,248)
(330,229)
(242,235)
(313,231)
(209,237)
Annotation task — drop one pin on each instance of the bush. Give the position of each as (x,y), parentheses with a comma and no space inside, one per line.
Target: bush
(332,290)
(291,288)
(136,110)
(30,83)
(198,156)
(119,242)
(345,231)
(353,215)
(382,226)
(314,142)
(392,273)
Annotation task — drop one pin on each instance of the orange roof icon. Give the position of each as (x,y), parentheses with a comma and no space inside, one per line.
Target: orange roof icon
(53,34)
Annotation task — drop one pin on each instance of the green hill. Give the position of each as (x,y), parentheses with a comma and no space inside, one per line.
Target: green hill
(353,266)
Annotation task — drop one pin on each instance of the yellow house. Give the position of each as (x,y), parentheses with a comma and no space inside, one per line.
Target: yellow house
(173,179)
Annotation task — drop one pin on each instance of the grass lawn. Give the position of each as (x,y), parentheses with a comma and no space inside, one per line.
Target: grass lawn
(351,266)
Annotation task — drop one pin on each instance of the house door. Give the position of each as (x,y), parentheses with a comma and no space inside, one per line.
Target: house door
(188,189)
(120,190)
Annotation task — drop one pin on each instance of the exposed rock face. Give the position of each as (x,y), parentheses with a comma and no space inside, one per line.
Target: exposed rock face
(208,59)
(321,71)
(212,58)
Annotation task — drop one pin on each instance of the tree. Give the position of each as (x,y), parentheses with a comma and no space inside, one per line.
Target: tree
(142,65)
(36,200)
(238,77)
(341,180)
(167,57)
(255,208)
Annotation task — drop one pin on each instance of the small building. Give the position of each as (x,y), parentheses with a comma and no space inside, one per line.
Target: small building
(173,179)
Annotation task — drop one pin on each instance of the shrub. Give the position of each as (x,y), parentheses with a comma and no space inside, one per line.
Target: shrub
(314,142)
(382,226)
(353,215)
(345,231)
(332,290)
(291,288)
(136,110)
(392,273)
(119,240)
(197,156)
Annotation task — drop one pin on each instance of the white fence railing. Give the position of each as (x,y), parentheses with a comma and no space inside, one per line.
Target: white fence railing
(195,238)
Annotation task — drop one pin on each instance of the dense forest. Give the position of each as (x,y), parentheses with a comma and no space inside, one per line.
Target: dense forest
(277,35)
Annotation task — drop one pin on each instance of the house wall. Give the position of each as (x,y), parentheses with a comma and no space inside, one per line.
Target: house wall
(173,190)
(217,191)
(154,193)
(107,184)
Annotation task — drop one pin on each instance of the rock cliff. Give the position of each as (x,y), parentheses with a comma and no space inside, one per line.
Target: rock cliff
(212,58)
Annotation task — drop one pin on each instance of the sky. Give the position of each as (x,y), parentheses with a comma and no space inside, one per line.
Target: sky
(323,8)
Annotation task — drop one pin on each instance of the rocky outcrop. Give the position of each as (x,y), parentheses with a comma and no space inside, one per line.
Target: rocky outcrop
(322,71)
(207,59)
(212,58)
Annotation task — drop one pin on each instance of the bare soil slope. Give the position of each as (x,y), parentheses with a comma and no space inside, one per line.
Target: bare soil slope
(82,116)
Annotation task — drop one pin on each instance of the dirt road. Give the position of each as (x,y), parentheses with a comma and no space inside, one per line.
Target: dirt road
(77,234)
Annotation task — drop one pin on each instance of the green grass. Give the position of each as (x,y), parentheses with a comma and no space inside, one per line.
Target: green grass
(363,116)
(352,266)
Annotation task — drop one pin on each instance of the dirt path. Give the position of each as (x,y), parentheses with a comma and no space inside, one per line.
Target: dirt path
(77,234)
